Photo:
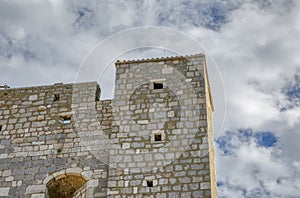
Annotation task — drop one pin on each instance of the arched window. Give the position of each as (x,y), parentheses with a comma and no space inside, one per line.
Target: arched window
(66,186)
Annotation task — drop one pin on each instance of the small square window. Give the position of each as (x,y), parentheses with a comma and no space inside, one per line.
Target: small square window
(56,97)
(158,85)
(149,183)
(158,137)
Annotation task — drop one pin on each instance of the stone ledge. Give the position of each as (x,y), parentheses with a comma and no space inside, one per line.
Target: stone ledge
(35,189)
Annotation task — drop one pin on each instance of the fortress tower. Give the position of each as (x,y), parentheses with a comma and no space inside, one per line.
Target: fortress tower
(154,139)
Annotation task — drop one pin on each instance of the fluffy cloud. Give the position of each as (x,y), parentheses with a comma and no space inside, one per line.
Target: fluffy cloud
(254,43)
(252,167)
(257,54)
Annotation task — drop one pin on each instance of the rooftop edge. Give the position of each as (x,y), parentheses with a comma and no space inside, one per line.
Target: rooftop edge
(118,62)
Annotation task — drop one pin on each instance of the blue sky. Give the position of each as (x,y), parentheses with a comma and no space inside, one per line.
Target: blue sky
(254,43)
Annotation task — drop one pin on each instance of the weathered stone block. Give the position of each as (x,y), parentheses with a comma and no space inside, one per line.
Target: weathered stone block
(4,191)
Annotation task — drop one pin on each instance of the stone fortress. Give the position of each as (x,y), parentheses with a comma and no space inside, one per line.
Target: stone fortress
(154,139)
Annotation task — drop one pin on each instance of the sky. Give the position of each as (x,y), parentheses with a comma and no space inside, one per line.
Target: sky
(254,43)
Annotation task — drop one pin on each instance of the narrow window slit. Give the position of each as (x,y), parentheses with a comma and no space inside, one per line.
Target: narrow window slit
(149,183)
(56,97)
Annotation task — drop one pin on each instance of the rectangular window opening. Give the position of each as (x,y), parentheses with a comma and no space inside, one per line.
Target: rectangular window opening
(149,183)
(56,97)
(158,137)
(66,119)
(98,91)
(158,85)
(0,127)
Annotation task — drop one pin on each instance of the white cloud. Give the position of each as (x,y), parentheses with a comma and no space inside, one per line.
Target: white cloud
(257,53)
(255,44)
(254,171)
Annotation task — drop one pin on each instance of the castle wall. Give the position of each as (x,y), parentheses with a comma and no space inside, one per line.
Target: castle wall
(154,139)
(35,146)
(177,166)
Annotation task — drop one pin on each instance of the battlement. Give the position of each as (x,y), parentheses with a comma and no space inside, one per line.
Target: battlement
(47,93)
(159,59)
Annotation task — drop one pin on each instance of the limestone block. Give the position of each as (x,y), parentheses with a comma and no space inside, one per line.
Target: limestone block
(4,192)
(35,189)
(33,97)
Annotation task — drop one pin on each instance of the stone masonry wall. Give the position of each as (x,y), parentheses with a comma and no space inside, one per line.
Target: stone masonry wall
(36,146)
(179,164)
(154,139)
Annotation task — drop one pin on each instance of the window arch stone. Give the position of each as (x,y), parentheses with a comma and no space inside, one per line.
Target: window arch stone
(66,184)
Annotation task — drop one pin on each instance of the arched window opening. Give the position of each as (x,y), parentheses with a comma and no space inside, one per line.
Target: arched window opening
(65,186)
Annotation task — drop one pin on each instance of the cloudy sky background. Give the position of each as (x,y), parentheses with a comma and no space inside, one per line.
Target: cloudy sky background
(254,43)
